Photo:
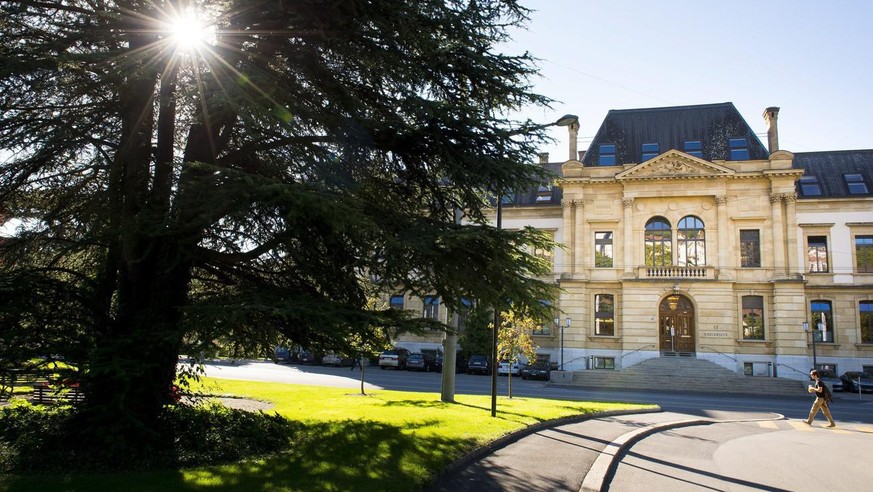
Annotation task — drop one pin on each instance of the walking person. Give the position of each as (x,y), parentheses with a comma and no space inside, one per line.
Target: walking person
(822,399)
(356,361)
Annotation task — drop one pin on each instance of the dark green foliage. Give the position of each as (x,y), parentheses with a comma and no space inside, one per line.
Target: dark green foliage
(263,188)
(478,336)
(46,439)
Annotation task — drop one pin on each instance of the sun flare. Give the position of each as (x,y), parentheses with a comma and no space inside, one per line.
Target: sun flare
(188,32)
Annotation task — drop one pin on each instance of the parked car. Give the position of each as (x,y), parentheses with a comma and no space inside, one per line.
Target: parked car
(479,364)
(539,370)
(281,354)
(332,359)
(460,363)
(855,380)
(395,358)
(833,382)
(503,368)
(420,362)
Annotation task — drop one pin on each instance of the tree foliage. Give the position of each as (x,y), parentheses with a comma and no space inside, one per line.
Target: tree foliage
(262,184)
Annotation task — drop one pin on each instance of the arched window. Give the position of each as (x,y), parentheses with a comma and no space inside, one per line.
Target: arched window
(690,242)
(659,242)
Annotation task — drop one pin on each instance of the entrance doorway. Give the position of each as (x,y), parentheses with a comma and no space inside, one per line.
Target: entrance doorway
(676,330)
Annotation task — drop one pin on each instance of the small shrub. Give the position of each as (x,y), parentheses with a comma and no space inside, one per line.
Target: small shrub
(35,438)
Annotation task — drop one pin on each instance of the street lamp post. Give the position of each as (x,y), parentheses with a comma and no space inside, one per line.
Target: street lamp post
(568,120)
(815,332)
(559,325)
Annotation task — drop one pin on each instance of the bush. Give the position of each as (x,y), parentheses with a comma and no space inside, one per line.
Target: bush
(36,438)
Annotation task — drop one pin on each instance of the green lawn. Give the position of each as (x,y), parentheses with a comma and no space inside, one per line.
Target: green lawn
(386,440)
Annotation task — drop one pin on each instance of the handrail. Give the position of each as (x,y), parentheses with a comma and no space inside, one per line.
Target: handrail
(719,352)
(637,350)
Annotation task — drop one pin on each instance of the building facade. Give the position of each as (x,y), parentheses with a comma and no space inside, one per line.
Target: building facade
(685,236)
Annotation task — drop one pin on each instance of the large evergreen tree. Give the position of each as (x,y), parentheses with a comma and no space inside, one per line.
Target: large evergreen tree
(303,155)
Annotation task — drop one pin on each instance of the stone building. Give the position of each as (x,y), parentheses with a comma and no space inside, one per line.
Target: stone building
(685,236)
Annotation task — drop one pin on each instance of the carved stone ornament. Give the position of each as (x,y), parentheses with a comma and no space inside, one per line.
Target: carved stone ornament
(675,164)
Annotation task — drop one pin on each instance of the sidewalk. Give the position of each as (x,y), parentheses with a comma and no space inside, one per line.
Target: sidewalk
(575,456)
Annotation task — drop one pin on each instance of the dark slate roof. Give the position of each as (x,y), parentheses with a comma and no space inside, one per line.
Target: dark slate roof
(830,168)
(529,197)
(712,124)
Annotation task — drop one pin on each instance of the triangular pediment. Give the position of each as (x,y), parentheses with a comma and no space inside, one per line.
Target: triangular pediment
(675,164)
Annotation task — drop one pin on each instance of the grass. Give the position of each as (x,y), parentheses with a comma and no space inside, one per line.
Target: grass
(386,440)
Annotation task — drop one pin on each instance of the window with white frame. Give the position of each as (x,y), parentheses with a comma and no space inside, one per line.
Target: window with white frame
(396,302)
(659,242)
(691,242)
(603,249)
(817,254)
(604,315)
(753,318)
(821,314)
(865,315)
(431,307)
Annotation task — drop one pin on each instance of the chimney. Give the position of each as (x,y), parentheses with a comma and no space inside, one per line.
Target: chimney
(581,154)
(771,114)
(573,129)
(544,157)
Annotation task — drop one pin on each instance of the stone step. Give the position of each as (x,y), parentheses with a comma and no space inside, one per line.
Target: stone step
(686,374)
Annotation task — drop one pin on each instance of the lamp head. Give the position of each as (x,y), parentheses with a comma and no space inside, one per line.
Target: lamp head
(567,120)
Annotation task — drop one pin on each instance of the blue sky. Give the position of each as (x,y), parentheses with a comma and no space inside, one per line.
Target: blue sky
(812,59)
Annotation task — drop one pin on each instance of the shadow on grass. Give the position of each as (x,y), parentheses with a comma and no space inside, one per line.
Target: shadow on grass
(349,455)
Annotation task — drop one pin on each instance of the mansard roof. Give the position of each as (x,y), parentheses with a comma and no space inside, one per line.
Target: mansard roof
(830,169)
(711,124)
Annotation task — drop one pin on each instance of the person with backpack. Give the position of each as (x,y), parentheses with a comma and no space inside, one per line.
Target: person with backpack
(822,399)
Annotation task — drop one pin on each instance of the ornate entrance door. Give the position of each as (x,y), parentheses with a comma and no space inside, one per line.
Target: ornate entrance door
(676,330)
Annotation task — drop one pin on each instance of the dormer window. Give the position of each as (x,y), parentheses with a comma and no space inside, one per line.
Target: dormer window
(648,151)
(694,147)
(544,194)
(739,148)
(607,155)
(856,185)
(809,186)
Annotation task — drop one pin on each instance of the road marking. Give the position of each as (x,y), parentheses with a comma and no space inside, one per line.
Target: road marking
(801,426)
(768,425)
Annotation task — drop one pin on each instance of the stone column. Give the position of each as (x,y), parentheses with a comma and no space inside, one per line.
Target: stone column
(778,231)
(724,244)
(567,216)
(581,240)
(628,241)
(790,200)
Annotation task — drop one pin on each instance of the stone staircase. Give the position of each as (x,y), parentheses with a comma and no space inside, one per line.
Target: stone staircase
(686,374)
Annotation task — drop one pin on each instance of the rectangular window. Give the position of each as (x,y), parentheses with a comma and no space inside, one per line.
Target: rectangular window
(856,185)
(864,254)
(546,254)
(431,307)
(822,321)
(543,327)
(607,155)
(603,249)
(750,248)
(604,315)
(753,318)
(694,147)
(544,194)
(809,186)
(739,149)
(817,254)
(604,362)
(648,151)
(865,309)
(396,302)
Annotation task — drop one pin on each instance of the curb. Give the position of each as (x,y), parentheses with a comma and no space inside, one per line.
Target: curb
(510,438)
(607,462)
